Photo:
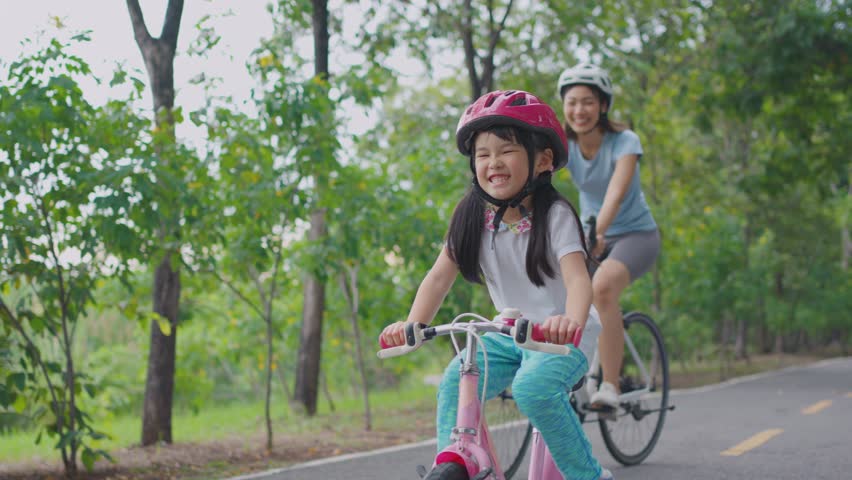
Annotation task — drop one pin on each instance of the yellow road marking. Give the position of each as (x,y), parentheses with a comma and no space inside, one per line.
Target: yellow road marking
(817,407)
(753,442)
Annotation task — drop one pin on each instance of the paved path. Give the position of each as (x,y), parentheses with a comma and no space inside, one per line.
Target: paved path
(791,424)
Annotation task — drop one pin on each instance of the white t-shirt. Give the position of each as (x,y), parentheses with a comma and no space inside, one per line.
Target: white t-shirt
(504,267)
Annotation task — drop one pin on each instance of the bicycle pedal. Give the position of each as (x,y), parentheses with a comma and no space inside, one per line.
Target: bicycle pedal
(604,411)
(421,470)
(609,415)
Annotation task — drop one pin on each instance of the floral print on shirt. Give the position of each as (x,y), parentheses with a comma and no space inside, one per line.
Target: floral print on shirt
(521,226)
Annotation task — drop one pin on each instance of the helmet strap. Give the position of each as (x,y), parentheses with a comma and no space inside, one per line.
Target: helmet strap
(514,202)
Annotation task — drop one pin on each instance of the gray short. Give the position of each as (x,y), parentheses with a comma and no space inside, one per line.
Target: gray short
(636,250)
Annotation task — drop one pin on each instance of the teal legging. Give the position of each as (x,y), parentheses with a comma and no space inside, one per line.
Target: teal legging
(539,385)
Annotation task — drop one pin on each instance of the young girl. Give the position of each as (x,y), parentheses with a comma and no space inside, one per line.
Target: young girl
(517,233)
(603,158)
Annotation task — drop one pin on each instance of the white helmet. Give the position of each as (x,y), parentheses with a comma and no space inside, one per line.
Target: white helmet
(586,74)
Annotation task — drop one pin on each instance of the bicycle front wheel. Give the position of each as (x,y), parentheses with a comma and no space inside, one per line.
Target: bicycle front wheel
(644,372)
(510,432)
(448,471)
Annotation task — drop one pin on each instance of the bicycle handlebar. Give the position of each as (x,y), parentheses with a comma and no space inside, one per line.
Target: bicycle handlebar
(525,333)
(593,232)
(593,239)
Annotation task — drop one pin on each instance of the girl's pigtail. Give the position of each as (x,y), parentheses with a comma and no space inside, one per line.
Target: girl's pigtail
(464,237)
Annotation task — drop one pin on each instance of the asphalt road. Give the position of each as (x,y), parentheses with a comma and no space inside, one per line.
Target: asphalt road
(790,424)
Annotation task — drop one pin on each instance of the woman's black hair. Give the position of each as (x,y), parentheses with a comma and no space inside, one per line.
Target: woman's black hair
(464,236)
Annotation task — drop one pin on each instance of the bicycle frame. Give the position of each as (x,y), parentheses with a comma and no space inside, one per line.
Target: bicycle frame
(582,395)
(471,444)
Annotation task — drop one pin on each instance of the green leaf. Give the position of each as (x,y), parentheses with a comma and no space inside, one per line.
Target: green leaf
(163,323)
(18,380)
(88,457)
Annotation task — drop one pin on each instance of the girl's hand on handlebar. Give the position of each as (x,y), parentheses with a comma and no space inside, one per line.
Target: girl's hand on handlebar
(559,329)
(394,334)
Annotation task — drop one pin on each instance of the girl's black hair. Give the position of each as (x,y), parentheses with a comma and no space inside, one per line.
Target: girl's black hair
(464,237)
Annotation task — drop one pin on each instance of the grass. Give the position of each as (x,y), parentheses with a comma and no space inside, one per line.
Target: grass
(695,374)
(233,420)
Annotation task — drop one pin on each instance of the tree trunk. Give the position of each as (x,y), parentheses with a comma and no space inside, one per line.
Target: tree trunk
(350,292)
(159,54)
(779,344)
(159,385)
(267,410)
(270,346)
(327,392)
(763,338)
(310,346)
(724,360)
(740,350)
(480,83)
(845,238)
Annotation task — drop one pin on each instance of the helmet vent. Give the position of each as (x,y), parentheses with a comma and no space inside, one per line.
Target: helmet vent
(490,100)
(521,100)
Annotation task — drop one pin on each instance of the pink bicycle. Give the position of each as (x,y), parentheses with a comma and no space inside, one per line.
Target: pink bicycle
(476,453)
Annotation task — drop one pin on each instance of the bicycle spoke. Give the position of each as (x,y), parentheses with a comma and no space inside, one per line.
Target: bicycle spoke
(510,432)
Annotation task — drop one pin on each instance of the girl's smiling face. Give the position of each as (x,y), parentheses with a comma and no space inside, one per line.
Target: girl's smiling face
(502,166)
(582,108)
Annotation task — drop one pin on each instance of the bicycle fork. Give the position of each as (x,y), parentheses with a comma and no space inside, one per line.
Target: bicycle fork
(471,443)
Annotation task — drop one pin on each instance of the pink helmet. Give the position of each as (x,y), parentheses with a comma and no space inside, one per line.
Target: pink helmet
(516,108)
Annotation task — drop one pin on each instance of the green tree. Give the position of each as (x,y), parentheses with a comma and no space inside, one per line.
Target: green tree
(54,149)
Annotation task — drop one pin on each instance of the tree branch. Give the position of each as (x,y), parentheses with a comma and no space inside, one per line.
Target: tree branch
(140,31)
(171,26)
(236,291)
(4,309)
(466,30)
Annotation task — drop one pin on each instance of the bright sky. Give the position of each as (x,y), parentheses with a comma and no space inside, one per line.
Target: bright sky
(112,38)
(112,41)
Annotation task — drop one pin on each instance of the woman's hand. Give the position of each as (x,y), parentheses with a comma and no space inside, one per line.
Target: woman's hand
(560,329)
(394,334)
(600,246)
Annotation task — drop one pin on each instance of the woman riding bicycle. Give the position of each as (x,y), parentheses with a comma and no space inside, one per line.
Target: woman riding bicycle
(603,158)
(513,230)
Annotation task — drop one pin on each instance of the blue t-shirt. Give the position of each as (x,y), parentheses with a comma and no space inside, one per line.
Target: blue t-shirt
(592,179)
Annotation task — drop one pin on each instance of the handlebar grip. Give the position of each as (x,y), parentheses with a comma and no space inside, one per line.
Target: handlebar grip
(529,336)
(593,232)
(413,340)
(395,351)
(538,336)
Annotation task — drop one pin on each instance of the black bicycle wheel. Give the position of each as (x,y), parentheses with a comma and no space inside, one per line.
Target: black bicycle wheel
(639,422)
(448,471)
(510,432)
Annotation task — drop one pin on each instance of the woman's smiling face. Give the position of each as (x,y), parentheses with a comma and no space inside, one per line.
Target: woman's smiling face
(582,108)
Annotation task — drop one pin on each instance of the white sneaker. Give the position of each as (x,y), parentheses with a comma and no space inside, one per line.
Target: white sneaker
(605,396)
(591,386)
(606,474)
